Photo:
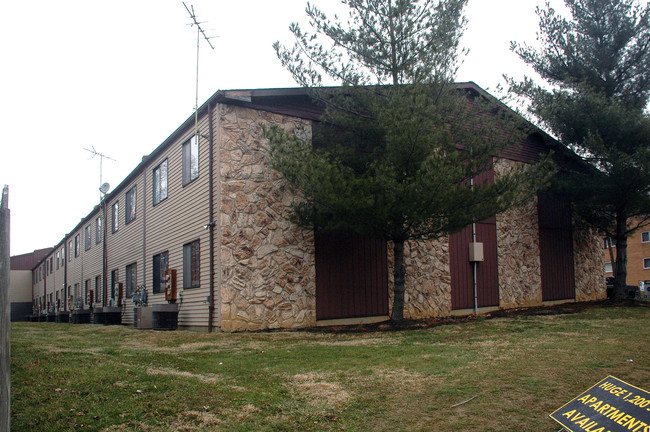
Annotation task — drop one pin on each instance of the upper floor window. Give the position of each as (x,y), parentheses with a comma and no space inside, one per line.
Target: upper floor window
(160,182)
(645,236)
(610,242)
(190,160)
(129,215)
(87,239)
(98,230)
(63,254)
(116,216)
(58,257)
(70,251)
(646,263)
(191,265)
(51,264)
(77,245)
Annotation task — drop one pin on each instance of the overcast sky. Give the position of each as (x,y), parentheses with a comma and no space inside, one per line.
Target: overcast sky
(119,76)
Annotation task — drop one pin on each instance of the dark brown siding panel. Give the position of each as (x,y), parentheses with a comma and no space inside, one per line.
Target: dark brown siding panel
(351,276)
(556,249)
(487,277)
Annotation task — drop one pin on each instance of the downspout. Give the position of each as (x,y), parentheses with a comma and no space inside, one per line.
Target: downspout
(211,218)
(144,232)
(104,255)
(65,275)
(474,263)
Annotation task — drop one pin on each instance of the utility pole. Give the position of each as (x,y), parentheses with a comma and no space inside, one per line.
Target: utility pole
(5,313)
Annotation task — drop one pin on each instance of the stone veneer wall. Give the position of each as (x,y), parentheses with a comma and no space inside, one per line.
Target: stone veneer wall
(518,261)
(428,280)
(589,266)
(267,264)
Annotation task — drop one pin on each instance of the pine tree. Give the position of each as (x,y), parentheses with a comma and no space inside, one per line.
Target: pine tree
(597,72)
(398,142)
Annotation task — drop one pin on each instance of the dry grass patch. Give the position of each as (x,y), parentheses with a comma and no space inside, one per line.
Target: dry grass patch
(207,378)
(318,392)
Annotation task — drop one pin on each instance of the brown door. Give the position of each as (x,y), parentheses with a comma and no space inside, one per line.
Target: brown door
(556,249)
(351,276)
(487,276)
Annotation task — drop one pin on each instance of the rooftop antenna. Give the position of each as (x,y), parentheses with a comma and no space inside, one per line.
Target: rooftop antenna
(199,33)
(101,159)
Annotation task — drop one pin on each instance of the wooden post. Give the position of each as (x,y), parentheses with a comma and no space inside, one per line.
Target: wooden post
(5,312)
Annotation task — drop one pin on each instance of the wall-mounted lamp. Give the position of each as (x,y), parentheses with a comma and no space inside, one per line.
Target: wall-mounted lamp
(210,225)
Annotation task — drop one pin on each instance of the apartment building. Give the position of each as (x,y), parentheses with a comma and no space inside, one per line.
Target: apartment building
(207,204)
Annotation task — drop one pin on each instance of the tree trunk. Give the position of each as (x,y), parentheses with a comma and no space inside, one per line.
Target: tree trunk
(399,275)
(620,282)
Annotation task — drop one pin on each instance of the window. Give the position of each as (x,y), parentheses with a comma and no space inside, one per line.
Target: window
(86,287)
(646,263)
(610,241)
(62,254)
(191,265)
(77,245)
(116,216)
(645,237)
(51,264)
(190,160)
(98,230)
(608,267)
(114,275)
(160,182)
(160,266)
(87,237)
(131,279)
(58,257)
(70,250)
(76,293)
(47,267)
(97,290)
(129,214)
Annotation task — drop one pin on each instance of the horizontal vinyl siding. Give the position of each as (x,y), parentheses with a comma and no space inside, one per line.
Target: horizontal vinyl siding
(125,245)
(92,259)
(177,220)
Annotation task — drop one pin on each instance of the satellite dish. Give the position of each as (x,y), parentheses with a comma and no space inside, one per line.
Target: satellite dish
(104,188)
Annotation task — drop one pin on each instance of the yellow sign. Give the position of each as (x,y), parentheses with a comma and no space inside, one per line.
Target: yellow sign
(611,405)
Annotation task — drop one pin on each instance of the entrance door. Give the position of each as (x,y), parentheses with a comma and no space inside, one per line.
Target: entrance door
(351,276)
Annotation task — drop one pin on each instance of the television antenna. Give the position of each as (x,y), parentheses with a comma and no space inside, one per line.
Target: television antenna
(199,32)
(101,160)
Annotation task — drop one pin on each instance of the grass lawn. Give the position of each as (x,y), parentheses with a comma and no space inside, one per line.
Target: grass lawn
(76,377)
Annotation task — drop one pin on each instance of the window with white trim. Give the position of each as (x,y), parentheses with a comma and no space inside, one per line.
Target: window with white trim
(87,239)
(191,265)
(190,160)
(131,279)
(129,214)
(646,263)
(98,230)
(645,237)
(116,216)
(160,267)
(160,182)
(608,267)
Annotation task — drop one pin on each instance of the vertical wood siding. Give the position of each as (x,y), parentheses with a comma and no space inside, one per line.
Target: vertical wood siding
(556,249)
(487,275)
(351,276)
